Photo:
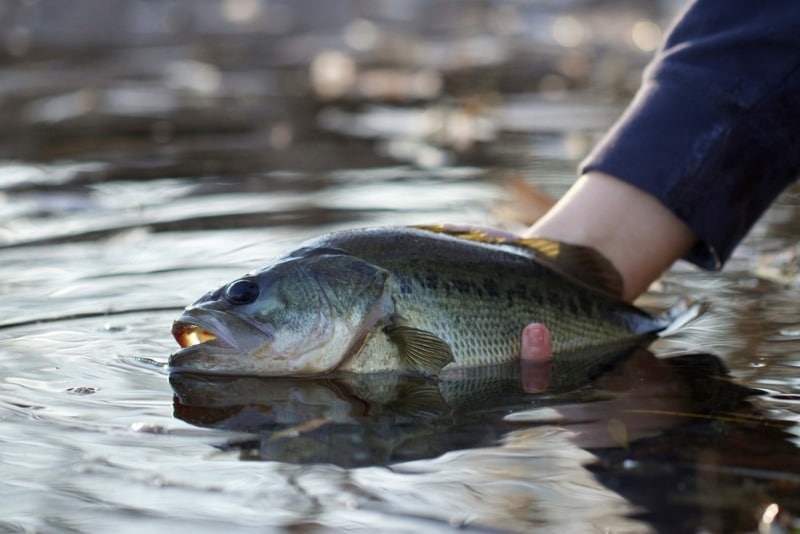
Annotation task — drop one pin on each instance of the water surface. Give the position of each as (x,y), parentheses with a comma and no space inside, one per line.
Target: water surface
(154,150)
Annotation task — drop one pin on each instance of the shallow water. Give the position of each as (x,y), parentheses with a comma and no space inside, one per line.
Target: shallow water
(153,150)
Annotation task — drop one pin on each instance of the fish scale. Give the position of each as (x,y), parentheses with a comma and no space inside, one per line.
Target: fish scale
(486,330)
(441,287)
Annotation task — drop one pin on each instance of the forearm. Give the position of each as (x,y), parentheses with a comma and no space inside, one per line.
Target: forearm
(632,229)
(714,131)
(710,140)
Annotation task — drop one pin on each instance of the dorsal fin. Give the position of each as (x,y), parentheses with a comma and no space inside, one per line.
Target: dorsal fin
(481,235)
(580,264)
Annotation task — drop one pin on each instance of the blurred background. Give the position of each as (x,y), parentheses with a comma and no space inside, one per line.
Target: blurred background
(258,94)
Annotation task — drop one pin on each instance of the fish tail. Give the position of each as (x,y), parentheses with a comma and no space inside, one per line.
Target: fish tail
(680,314)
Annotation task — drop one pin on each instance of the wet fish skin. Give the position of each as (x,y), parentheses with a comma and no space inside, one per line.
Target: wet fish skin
(402,298)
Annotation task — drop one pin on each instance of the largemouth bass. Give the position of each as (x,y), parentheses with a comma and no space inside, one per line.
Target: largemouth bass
(411,299)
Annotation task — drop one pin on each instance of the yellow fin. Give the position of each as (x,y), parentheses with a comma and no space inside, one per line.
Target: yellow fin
(481,235)
(421,351)
(580,264)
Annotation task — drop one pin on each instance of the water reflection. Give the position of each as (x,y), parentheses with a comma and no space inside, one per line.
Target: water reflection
(719,469)
(350,423)
(721,458)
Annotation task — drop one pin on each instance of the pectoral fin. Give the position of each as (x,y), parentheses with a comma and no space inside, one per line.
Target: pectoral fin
(421,351)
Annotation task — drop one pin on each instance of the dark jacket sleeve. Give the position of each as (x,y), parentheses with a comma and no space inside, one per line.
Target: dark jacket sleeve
(714,130)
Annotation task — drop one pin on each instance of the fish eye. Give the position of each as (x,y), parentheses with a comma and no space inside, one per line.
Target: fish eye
(242,291)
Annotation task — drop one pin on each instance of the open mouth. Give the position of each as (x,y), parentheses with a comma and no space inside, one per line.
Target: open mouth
(205,340)
(218,330)
(188,334)
(192,329)
(215,342)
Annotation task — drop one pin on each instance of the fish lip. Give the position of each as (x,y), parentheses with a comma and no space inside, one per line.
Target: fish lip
(190,359)
(233,337)
(209,323)
(216,324)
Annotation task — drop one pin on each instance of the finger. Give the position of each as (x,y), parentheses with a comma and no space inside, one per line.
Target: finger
(535,358)
(537,343)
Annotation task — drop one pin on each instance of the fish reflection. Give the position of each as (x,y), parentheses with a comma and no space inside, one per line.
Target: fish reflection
(352,420)
(382,418)
(357,419)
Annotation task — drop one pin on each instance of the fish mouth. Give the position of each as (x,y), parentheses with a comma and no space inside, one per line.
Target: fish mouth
(214,342)
(190,330)
(188,334)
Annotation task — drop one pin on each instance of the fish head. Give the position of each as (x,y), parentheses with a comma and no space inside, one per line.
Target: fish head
(302,315)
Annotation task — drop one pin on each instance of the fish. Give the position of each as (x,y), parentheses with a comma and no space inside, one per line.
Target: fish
(424,300)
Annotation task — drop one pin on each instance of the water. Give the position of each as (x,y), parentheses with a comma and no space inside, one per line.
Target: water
(153,150)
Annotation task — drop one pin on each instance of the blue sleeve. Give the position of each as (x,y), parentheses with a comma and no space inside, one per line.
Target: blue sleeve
(714,131)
